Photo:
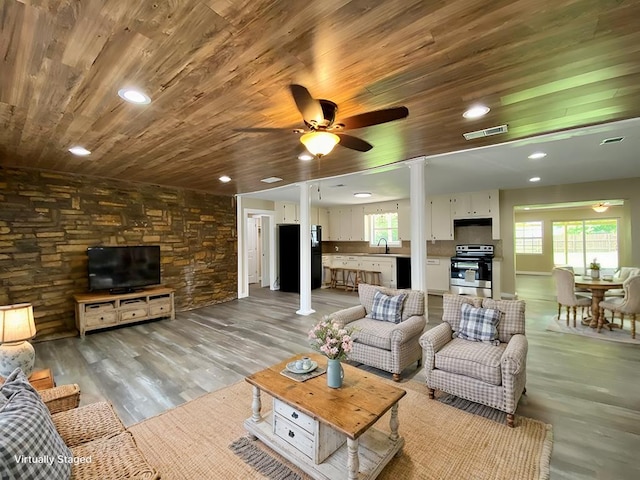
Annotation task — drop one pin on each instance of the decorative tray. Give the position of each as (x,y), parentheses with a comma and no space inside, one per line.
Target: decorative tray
(291,366)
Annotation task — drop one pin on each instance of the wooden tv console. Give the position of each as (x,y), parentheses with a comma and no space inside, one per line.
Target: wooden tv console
(102,310)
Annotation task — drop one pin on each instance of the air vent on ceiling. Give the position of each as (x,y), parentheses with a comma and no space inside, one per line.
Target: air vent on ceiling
(271,180)
(487,132)
(607,141)
(337,185)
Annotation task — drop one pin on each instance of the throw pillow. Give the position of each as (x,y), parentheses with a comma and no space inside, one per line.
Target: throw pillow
(479,324)
(30,446)
(387,308)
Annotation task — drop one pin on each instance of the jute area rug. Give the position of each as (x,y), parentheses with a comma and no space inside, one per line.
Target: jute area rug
(614,335)
(192,441)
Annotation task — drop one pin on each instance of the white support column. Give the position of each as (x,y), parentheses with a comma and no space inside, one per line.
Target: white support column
(305,250)
(418,199)
(243,287)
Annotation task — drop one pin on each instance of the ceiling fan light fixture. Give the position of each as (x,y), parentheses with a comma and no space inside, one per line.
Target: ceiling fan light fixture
(600,207)
(476,111)
(319,143)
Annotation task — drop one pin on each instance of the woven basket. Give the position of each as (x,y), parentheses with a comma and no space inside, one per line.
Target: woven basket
(87,423)
(62,398)
(115,457)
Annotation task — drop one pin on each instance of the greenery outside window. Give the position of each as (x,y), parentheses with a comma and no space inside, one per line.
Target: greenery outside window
(529,238)
(383,225)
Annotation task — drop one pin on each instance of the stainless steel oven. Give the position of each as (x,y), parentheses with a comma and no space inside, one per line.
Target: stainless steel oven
(471,270)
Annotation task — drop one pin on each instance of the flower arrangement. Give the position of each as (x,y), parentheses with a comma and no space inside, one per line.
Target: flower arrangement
(594,265)
(331,339)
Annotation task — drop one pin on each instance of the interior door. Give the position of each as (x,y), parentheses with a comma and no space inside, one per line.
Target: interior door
(265,250)
(252,241)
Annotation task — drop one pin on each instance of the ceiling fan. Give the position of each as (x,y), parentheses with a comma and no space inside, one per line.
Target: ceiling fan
(322,132)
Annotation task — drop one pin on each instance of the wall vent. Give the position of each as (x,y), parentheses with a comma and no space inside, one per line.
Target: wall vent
(607,141)
(487,132)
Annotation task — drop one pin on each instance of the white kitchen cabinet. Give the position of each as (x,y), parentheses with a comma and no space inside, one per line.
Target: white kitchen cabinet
(386,267)
(323,221)
(438,273)
(441,220)
(287,212)
(357,223)
(474,204)
(334,225)
(404,219)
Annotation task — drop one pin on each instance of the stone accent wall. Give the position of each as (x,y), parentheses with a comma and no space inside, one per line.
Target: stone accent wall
(47,221)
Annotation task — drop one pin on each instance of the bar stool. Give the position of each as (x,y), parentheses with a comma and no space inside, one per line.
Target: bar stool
(337,277)
(375,278)
(326,276)
(351,280)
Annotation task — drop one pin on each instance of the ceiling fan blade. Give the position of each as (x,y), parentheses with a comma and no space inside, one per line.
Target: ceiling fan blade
(354,143)
(375,117)
(264,130)
(309,107)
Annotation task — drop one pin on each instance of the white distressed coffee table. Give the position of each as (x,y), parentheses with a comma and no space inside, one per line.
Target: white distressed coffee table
(326,432)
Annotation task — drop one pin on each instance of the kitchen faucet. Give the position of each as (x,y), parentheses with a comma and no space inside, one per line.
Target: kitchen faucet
(386,245)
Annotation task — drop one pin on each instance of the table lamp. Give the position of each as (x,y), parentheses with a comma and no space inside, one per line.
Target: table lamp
(16,327)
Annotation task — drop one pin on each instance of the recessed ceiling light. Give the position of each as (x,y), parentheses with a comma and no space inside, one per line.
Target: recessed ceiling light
(362,194)
(607,141)
(134,96)
(476,111)
(534,179)
(537,155)
(271,180)
(80,151)
(225,179)
(306,156)
(527,208)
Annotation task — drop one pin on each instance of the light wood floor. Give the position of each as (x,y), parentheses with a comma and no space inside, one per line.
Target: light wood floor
(589,390)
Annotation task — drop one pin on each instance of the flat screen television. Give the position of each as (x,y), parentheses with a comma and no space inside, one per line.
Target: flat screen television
(123,269)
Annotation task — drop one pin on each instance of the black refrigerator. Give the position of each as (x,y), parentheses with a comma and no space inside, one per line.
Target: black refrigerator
(289,257)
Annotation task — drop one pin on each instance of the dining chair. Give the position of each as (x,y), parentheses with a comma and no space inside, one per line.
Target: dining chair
(620,276)
(571,269)
(628,305)
(565,291)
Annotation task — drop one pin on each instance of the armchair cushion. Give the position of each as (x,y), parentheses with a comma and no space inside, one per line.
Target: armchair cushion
(413,304)
(452,304)
(387,308)
(383,334)
(479,324)
(476,360)
(512,318)
(28,433)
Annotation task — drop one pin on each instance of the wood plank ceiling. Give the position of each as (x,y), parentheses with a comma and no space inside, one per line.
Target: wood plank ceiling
(212,66)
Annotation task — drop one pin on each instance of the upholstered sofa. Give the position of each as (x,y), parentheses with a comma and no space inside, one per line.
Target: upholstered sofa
(88,442)
(385,345)
(490,372)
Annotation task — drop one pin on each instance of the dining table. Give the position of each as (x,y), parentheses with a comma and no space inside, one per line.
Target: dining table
(598,288)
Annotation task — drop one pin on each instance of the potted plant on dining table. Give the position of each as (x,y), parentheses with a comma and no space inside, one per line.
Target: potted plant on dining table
(594,266)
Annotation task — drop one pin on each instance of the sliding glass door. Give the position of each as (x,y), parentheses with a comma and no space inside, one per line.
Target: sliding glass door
(578,242)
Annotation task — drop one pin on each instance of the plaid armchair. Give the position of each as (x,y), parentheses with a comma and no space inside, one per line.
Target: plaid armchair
(482,372)
(385,345)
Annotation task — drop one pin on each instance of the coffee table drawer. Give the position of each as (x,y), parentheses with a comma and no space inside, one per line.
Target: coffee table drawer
(294,436)
(296,417)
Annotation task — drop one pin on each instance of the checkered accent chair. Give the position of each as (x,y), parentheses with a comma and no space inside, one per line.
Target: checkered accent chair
(493,375)
(385,345)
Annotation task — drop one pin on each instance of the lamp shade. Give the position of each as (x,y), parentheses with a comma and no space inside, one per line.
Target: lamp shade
(319,143)
(600,207)
(16,323)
